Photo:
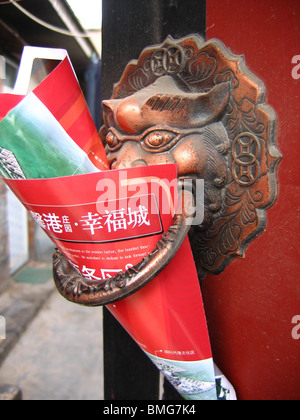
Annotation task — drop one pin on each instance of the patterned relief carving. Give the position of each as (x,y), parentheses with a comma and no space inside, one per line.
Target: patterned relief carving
(252,155)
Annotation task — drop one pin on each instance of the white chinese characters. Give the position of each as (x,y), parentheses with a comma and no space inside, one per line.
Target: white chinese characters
(91,222)
(52,222)
(111,221)
(122,220)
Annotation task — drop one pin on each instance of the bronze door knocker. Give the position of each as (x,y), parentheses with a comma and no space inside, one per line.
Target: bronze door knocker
(195,104)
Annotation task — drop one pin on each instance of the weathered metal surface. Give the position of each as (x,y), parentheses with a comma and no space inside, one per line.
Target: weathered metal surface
(197,105)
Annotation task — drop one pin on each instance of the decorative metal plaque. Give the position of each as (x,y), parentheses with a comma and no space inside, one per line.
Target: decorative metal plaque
(195,104)
(237,206)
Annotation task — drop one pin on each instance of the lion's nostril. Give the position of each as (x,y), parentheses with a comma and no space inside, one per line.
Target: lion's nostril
(113,164)
(123,163)
(139,162)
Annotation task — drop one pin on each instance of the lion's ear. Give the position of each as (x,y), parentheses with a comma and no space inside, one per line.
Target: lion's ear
(108,108)
(180,109)
(210,107)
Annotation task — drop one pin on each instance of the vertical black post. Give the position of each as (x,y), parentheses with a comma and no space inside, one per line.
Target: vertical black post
(129,26)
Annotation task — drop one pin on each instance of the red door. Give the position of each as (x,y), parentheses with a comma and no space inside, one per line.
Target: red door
(251,306)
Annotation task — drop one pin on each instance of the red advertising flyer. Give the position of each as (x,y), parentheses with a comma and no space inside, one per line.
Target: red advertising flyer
(166,318)
(102,221)
(61,94)
(105,221)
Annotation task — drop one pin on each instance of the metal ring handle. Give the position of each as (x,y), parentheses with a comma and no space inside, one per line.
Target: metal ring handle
(75,288)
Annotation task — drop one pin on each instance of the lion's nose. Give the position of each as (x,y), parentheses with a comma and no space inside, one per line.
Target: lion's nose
(139,162)
(125,164)
(130,155)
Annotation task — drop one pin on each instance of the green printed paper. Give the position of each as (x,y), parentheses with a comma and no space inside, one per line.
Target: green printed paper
(33,145)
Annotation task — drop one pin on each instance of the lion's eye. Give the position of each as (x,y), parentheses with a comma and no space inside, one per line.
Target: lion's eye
(158,139)
(112,140)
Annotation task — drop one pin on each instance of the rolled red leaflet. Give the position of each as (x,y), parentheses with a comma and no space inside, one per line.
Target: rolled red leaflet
(62,96)
(102,225)
(104,222)
(167,320)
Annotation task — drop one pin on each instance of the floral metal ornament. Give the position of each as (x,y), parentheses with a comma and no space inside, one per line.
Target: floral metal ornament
(195,104)
(250,150)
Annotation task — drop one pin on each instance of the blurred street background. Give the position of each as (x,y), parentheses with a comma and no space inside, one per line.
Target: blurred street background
(52,349)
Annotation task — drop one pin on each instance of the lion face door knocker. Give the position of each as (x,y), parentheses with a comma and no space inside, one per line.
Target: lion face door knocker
(197,105)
